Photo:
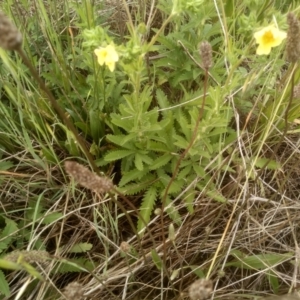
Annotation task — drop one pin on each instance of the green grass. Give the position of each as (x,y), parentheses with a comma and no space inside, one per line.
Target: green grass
(205,164)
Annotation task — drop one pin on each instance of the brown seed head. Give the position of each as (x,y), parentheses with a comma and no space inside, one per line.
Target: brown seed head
(296,93)
(125,247)
(200,289)
(10,36)
(88,179)
(206,54)
(34,257)
(293,38)
(74,291)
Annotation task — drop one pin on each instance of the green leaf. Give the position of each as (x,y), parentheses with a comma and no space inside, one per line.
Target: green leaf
(173,212)
(118,154)
(52,217)
(6,235)
(138,162)
(132,189)
(156,259)
(274,282)
(197,271)
(184,172)
(121,139)
(267,163)
(5,165)
(259,261)
(74,265)
(161,161)
(132,175)
(147,206)
(80,248)
(162,99)
(8,265)
(157,146)
(4,287)
(189,200)
(29,268)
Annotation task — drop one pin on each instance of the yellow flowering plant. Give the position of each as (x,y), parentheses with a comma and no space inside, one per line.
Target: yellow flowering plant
(268,38)
(108,56)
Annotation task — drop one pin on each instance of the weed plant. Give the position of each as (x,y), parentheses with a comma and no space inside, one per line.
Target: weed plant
(179,122)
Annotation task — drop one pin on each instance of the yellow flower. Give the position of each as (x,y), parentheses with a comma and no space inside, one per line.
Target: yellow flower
(268,38)
(108,56)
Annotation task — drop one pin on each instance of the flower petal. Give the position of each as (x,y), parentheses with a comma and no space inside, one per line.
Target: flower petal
(267,38)
(101,54)
(111,65)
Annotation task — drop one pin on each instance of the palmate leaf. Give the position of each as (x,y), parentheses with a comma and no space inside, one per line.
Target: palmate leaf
(147,206)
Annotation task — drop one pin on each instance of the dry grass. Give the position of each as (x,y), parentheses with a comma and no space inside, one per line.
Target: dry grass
(260,217)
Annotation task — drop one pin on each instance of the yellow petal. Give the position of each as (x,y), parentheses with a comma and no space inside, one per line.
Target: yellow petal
(263,50)
(111,65)
(101,54)
(267,38)
(112,53)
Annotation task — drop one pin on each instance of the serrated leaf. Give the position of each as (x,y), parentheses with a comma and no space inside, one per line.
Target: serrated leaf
(181,142)
(173,213)
(5,165)
(4,287)
(138,162)
(6,235)
(157,146)
(118,154)
(161,161)
(121,139)
(162,99)
(184,172)
(131,176)
(147,206)
(189,201)
(80,248)
(132,189)
(267,163)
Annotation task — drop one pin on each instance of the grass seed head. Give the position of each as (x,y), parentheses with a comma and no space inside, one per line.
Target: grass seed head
(296,92)
(125,247)
(88,179)
(10,36)
(74,291)
(293,38)
(32,257)
(200,289)
(206,54)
